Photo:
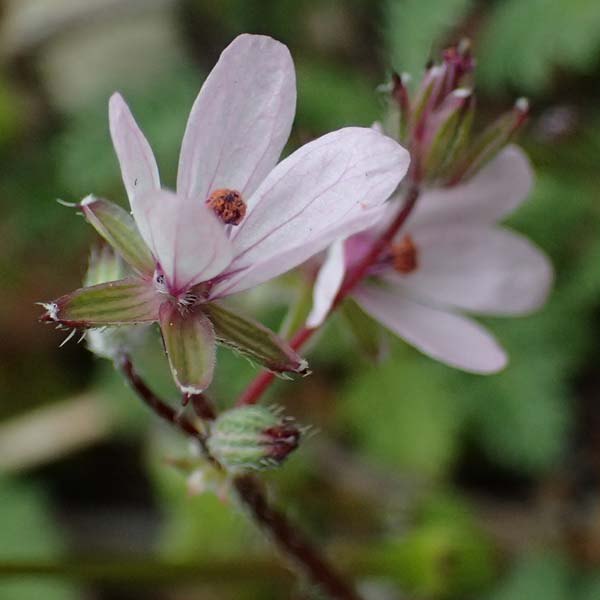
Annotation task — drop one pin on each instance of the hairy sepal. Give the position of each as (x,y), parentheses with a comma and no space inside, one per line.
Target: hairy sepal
(189,340)
(118,228)
(254,341)
(127,301)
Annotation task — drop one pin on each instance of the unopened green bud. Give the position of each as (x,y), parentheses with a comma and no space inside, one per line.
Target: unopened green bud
(252,438)
(447,128)
(485,147)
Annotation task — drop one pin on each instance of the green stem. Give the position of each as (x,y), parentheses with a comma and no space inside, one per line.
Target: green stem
(146,570)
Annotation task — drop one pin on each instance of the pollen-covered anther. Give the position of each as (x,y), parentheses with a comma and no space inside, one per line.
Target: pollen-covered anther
(405,255)
(228,205)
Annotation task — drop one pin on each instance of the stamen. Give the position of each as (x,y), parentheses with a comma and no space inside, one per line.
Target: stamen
(160,282)
(405,255)
(228,205)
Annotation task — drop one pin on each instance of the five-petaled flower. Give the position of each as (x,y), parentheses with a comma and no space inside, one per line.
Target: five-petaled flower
(237,219)
(450,257)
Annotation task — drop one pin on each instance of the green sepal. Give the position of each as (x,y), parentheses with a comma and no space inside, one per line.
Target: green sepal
(118,228)
(298,311)
(449,122)
(366,332)
(189,340)
(254,340)
(484,147)
(124,302)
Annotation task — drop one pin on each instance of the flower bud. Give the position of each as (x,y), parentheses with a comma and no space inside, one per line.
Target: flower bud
(458,63)
(252,437)
(435,124)
(484,147)
(446,130)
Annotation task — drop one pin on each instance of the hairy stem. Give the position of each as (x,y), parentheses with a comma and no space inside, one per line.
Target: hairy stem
(291,541)
(278,527)
(259,385)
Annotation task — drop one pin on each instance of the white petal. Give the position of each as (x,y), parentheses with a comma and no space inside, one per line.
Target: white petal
(240,120)
(138,166)
(328,189)
(493,193)
(445,336)
(187,239)
(327,284)
(480,269)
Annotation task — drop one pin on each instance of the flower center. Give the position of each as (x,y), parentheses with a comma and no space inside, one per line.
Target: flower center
(405,255)
(228,205)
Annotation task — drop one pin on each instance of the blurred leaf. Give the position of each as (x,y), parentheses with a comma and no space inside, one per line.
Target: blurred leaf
(590,589)
(13,118)
(522,416)
(536,577)
(524,42)
(414,30)
(28,533)
(444,554)
(87,162)
(401,415)
(332,96)
(198,524)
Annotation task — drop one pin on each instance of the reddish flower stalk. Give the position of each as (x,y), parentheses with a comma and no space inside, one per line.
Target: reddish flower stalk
(253,393)
(290,541)
(274,523)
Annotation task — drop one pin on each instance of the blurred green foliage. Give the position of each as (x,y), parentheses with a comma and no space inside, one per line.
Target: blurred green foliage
(29,533)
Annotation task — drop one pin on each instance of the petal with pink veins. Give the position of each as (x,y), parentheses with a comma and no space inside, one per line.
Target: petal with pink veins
(491,194)
(138,166)
(240,120)
(450,338)
(481,269)
(329,188)
(187,239)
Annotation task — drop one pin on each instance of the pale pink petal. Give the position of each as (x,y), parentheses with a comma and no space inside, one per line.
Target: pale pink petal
(327,284)
(187,239)
(240,120)
(480,269)
(493,193)
(330,188)
(138,166)
(445,336)
(237,281)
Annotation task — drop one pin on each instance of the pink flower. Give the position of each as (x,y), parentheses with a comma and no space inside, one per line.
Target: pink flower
(237,219)
(450,257)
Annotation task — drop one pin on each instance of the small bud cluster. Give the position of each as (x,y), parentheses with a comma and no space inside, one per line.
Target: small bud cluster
(252,438)
(435,124)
